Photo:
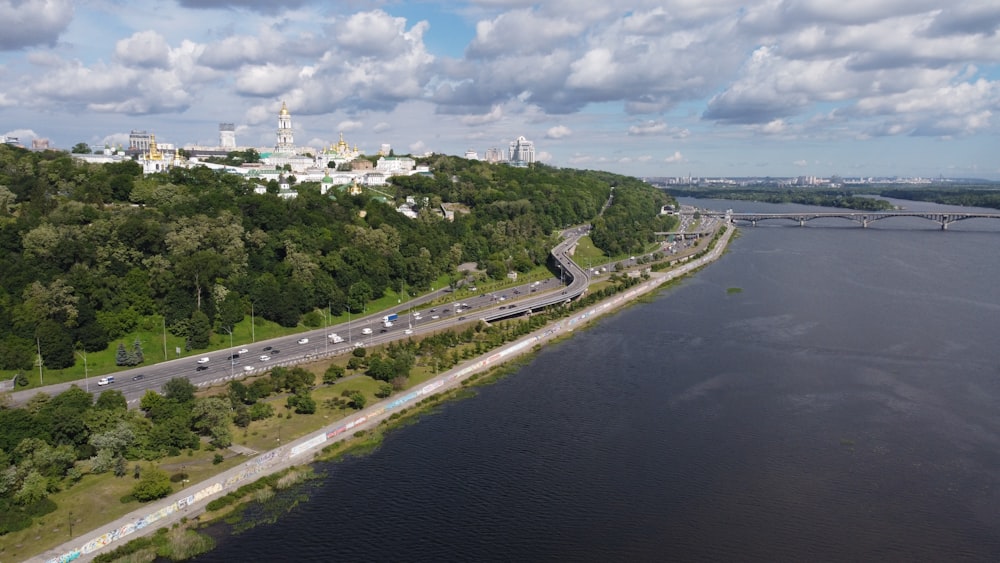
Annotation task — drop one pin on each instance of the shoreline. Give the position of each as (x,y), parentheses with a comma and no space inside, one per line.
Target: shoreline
(191,501)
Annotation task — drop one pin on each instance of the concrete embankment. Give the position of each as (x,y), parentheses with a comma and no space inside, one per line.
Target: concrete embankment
(192,500)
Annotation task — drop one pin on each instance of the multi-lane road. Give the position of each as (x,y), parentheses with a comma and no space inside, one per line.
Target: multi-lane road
(415,317)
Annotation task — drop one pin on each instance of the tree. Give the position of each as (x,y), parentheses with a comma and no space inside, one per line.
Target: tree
(56,344)
(200,330)
(111,399)
(81,148)
(210,416)
(357,400)
(333,373)
(122,356)
(137,356)
(179,390)
(154,484)
(384,390)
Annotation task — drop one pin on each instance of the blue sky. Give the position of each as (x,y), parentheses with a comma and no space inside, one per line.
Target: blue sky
(647,88)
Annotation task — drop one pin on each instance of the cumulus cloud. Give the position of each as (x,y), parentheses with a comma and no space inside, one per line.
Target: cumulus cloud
(521,32)
(33,22)
(801,163)
(144,48)
(675,158)
(558,132)
(648,128)
(24,135)
(495,114)
(350,125)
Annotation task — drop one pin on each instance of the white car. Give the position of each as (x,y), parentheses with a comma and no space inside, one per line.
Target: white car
(408,331)
(265,358)
(435,317)
(243,351)
(247,368)
(366,331)
(203,360)
(303,341)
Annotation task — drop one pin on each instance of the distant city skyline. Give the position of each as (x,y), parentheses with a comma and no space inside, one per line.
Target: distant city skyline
(672,88)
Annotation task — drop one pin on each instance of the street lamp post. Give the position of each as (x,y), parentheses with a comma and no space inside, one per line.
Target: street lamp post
(232,360)
(253,337)
(86,373)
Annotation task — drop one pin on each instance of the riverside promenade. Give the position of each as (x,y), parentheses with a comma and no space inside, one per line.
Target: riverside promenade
(190,502)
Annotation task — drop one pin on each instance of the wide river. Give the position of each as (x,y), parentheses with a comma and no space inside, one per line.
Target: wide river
(842,405)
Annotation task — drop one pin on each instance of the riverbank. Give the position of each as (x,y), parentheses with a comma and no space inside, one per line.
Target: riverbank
(191,502)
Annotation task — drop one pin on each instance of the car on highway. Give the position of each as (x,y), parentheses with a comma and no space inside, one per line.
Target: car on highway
(303,341)
(383,330)
(243,351)
(266,348)
(138,377)
(247,368)
(408,331)
(461,318)
(435,317)
(201,368)
(275,351)
(106,380)
(265,358)
(203,360)
(366,330)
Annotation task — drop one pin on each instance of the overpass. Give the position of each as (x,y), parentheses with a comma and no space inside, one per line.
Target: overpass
(863,218)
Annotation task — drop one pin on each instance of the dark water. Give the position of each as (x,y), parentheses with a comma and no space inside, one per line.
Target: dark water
(845,406)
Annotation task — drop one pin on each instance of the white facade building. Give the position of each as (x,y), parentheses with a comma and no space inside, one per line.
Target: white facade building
(227,136)
(286,141)
(522,151)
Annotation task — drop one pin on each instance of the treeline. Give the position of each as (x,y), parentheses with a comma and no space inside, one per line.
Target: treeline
(842,199)
(968,197)
(89,254)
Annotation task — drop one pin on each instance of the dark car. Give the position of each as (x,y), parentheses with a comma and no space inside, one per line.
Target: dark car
(275,351)
(502,307)
(383,331)
(234,356)
(266,348)
(201,368)
(461,318)
(138,377)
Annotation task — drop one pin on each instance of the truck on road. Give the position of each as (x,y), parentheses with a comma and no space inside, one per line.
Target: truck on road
(389,319)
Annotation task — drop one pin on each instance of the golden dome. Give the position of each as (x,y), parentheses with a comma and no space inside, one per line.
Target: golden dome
(284,109)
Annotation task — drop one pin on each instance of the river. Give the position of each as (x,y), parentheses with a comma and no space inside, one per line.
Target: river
(825,393)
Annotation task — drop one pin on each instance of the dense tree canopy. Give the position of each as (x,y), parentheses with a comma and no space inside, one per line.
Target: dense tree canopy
(90,252)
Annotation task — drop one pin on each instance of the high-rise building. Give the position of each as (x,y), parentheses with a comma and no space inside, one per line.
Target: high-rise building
(522,151)
(138,141)
(227,136)
(493,155)
(286,144)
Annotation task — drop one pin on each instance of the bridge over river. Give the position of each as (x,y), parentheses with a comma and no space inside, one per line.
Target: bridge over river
(863,218)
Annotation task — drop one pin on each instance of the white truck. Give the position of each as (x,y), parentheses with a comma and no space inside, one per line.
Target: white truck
(335,338)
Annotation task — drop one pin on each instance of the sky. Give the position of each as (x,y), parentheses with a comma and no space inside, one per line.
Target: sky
(703,88)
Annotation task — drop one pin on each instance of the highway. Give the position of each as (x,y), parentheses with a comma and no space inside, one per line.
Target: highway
(415,317)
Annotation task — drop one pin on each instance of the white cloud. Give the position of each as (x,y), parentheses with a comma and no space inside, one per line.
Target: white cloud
(23,134)
(143,49)
(558,132)
(675,158)
(648,128)
(801,163)
(495,114)
(381,127)
(32,22)
(350,125)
